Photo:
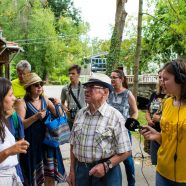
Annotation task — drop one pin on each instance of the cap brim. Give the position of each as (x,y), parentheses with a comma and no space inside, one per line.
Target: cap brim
(99,82)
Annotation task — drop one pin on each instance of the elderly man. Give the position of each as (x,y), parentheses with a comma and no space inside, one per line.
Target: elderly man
(99,141)
(23,67)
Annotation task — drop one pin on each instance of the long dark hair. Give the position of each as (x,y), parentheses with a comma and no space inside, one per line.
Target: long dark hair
(122,76)
(4,88)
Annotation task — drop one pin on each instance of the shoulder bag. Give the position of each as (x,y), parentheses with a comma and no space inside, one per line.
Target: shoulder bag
(58,131)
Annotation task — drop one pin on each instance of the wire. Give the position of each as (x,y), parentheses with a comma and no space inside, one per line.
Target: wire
(175,156)
(47,38)
(142,160)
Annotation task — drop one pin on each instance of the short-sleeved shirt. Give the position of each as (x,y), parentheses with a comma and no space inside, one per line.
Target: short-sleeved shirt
(155,106)
(173,135)
(78,92)
(99,135)
(18,89)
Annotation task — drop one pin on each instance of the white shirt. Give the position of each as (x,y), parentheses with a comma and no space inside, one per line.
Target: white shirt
(10,161)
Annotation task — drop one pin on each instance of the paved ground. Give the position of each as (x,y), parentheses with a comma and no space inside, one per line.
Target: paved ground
(142,166)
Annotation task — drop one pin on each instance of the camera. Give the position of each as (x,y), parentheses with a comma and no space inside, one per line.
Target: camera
(73,112)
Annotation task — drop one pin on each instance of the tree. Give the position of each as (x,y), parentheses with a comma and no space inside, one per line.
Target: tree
(165,31)
(66,9)
(116,39)
(50,44)
(138,49)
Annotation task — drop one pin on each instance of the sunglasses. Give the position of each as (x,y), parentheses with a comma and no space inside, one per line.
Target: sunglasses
(38,84)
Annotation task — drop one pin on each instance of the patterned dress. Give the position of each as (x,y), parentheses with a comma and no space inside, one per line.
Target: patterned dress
(40,160)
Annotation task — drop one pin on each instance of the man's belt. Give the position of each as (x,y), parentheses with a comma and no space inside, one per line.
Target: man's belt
(92,164)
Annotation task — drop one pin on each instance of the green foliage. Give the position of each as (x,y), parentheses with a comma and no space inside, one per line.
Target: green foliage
(65,8)
(165,31)
(114,53)
(64,80)
(142,121)
(141,117)
(51,45)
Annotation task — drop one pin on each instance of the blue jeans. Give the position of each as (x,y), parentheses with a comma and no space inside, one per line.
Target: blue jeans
(129,167)
(162,181)
(112,178)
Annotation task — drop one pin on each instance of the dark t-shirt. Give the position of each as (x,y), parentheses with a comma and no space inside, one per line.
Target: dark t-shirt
(155,106)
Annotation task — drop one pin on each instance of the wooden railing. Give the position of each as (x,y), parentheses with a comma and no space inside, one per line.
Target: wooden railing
(143,78)
(130,78)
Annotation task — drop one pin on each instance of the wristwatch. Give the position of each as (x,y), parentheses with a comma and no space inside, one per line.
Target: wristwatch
(109,164)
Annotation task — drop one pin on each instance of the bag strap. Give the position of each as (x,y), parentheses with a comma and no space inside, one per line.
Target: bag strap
(57,110)
(75,99)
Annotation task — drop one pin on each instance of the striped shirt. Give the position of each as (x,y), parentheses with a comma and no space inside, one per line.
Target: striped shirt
(99,135)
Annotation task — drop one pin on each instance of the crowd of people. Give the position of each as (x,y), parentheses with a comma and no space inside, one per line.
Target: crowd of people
(97,111)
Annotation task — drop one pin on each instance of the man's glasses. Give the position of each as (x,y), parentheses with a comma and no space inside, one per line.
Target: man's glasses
(91,87)
(38,84)
(114,77)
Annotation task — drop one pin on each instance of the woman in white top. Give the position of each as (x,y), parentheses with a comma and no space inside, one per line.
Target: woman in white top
(8,147)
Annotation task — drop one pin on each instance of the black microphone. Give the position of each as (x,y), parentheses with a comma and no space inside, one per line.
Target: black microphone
(132,124)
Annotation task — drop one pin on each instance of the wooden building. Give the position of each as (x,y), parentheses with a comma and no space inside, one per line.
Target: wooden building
(8,50)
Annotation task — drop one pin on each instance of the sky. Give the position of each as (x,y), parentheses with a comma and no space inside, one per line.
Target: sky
(100,14)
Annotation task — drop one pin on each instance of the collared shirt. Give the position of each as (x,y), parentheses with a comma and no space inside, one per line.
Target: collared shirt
(99,135)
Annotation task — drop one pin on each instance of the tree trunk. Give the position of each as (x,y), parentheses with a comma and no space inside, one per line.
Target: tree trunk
(138,49)
(116,39)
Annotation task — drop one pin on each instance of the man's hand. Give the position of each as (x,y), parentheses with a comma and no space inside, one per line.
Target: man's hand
(97,171)
(71,178)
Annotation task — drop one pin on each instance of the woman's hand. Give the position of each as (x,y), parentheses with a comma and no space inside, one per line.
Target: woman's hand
(56,101)
(41,114)
(150,122)
(156,117)
(20,146)
(150,134)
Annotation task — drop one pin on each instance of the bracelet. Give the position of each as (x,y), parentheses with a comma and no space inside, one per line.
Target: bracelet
(104,168)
